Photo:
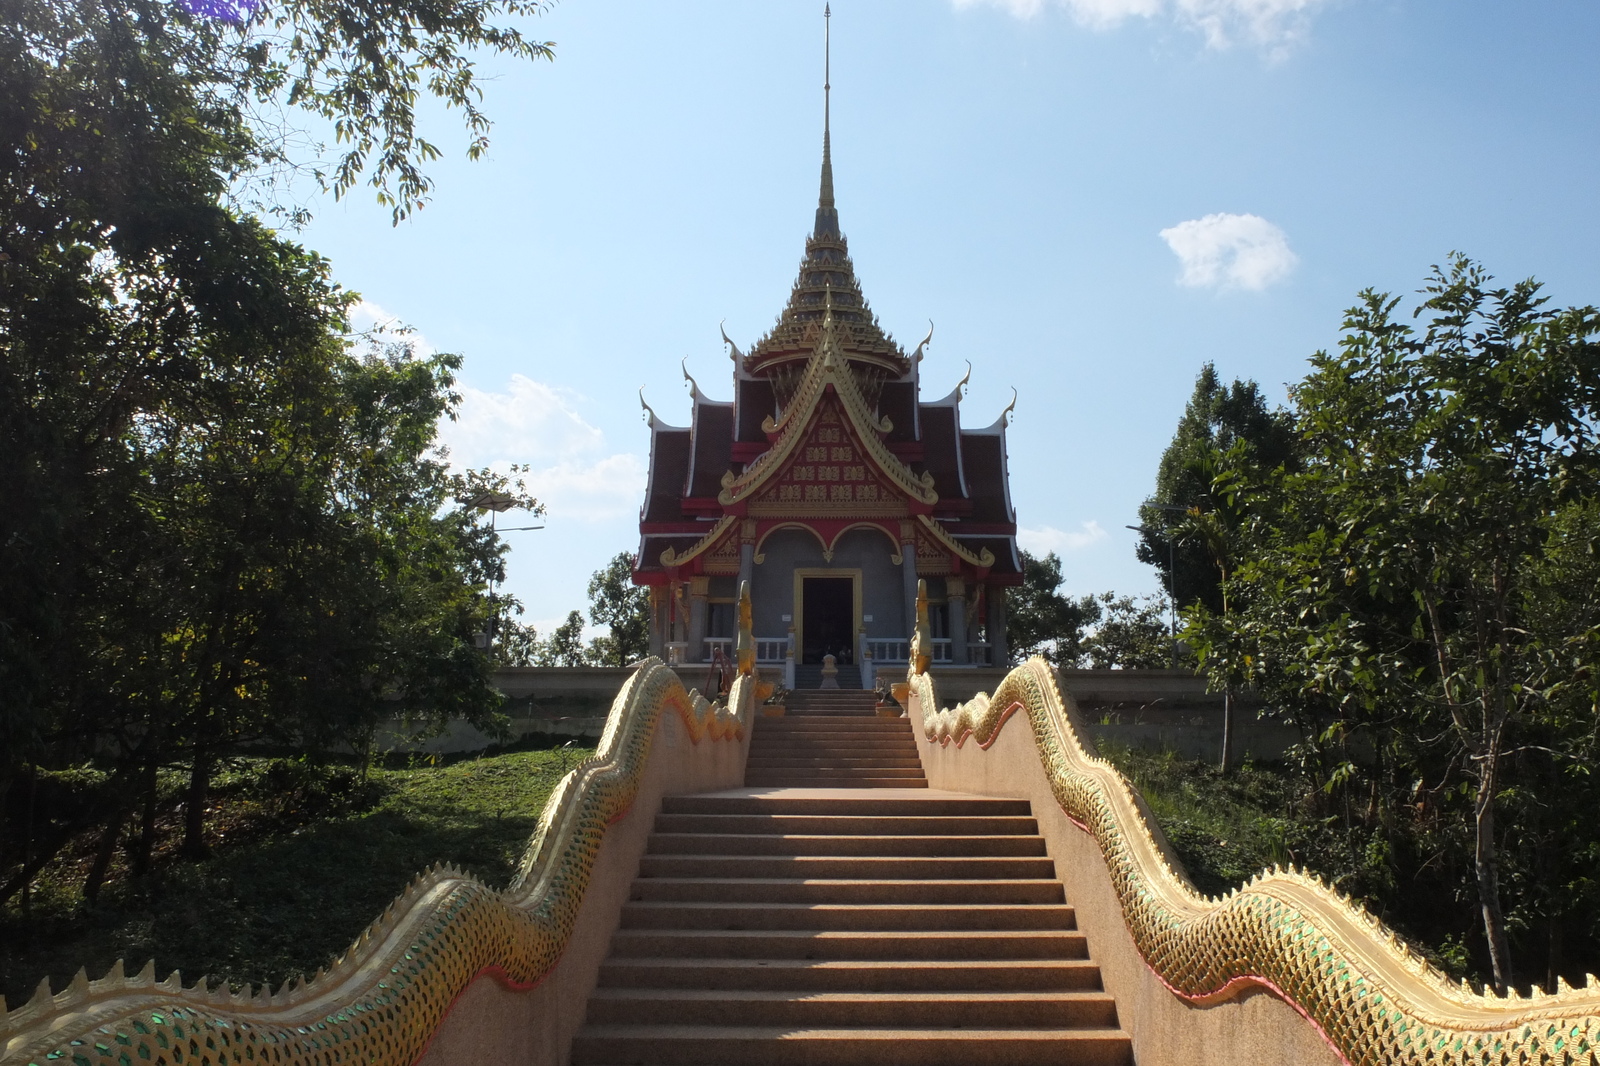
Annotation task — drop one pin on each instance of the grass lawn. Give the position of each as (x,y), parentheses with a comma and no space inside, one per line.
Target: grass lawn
(296,872)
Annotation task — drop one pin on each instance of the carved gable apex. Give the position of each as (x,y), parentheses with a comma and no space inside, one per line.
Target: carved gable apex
(829,385)
(829,474)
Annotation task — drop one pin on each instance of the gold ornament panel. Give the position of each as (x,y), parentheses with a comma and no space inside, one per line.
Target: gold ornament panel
(829,474)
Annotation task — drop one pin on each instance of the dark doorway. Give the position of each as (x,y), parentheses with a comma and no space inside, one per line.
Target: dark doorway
(828,608)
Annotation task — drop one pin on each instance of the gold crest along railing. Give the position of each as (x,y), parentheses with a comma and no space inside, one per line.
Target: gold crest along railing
(385,1000)
(1369,998)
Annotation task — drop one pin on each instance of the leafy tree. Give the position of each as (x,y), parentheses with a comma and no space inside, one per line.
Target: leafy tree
(1042,621)
(221,525)
(1218,417)
(615,601)
(1131,634)
(518,644)
(1424,580)
(565,646)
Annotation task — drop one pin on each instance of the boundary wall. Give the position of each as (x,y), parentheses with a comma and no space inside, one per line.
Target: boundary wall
(1283,970)
(454,971)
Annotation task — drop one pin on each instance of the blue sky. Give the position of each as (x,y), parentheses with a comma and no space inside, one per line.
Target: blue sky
(1089,198)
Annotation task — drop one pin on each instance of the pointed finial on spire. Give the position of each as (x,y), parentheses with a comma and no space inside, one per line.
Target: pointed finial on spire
(827,224)
(827,343)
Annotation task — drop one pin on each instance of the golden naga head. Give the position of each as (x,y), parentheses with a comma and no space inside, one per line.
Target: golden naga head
(922,639)
(745,643)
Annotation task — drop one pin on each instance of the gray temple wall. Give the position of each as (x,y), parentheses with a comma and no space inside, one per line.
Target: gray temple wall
(871,552)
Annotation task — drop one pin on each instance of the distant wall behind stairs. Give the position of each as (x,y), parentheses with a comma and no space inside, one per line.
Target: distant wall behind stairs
(1164,710)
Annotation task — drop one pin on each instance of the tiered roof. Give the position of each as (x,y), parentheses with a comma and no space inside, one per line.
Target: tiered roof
(827,429)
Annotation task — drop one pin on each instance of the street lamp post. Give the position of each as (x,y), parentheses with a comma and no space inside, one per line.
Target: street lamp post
(1172,569)
(495,503)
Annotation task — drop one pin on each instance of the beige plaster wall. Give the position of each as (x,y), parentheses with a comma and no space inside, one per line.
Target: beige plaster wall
(493,1024)
(1254,1029)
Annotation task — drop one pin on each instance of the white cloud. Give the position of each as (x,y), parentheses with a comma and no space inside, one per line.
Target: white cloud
(1230,252)
(572,472)
(1272,24)
(1049,539)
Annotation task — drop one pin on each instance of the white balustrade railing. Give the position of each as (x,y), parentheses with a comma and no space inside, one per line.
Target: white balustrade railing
(980,654)
(885,650)
(772,649)
(713,643)
(941,650)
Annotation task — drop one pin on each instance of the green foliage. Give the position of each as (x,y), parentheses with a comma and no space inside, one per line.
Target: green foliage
(615,601)
(1131,634)
(1103,632)
(1418,594)
(305,855)
(565,647)
(223,526)
(1227,827)
(1040,620)
(1218,418)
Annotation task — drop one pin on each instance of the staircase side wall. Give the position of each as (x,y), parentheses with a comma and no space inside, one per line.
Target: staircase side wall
(1254,1029)
(493,1023)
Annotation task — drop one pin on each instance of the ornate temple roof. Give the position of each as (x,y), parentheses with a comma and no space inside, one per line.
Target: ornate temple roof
(827,276)
(827,428)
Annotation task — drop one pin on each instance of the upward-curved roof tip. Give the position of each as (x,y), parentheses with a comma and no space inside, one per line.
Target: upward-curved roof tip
(953,398)
(1010,407)
(733,349)
(916,356)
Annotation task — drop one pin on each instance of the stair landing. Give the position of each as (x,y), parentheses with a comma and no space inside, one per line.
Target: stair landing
(834,926)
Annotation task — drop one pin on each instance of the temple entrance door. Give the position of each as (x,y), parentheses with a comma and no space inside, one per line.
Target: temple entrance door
(828,619)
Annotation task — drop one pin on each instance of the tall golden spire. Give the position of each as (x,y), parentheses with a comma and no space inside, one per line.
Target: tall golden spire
(827,224)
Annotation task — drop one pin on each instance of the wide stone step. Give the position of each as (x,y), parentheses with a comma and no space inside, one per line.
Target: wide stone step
(876,807)
(860,975)
(821,723)
(855,867)
(808,750)
(944,945)
(865,767)
(665,914)
(689,1045)
(852,761)
(755,844)
(766,780)
(911,893)
(847,824)
(838,1010)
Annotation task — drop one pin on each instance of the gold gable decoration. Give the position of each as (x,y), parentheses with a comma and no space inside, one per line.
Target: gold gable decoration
(670,558)
(826,367)
(829,474)
(983,560)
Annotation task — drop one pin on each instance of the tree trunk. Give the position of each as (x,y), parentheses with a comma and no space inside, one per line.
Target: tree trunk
(27,841)
(1554,961)
(1227,729)
(194,809)
(1486,859)
(102,856)
(147,825)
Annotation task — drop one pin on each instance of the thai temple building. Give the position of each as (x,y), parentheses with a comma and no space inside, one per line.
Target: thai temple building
(832,485)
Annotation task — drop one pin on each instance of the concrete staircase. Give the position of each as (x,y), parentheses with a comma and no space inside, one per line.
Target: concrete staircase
(845,751)
(836,926)
(830,701)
